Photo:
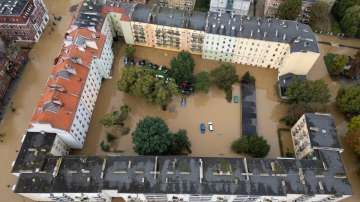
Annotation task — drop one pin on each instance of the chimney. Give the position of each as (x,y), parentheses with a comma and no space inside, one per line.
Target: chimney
(251,33)
(265,33)
(284,37)
(276,33)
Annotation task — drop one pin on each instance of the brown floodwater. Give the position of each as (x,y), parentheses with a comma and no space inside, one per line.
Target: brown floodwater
(27,94)
(200,107)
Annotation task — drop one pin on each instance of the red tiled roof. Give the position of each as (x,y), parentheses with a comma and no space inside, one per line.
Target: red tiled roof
(59,102)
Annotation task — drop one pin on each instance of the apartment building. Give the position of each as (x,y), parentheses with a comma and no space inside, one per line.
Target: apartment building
(319,177)
(314,132)
(187,5)
(271,8)
(267,43)
(237,7)
(23,20)
(168,29)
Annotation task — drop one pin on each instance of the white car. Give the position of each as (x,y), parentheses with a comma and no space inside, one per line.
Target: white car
(211,126)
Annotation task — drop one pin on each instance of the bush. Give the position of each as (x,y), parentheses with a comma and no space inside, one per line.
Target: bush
(253,145)
(104,147)
(348,100)
(180,143)
(335,63)
(110,137)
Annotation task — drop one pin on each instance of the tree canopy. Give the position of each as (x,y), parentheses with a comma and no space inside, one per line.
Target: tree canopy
(224,77)
(308,91)
(143,83)
(355,66)
(182,68)
(319,16)
(130,51)
(116,117)
(255,146)
(152,137)
(353,135)
(348,100)
(350,23)
(296,110)
(335,63)
(202,82)
(340,7)
(289,9)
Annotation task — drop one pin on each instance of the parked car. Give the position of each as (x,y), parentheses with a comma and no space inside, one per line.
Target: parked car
(126,60)
(202,128)
(164,69)
(142,62)
(159,76)
(211,126)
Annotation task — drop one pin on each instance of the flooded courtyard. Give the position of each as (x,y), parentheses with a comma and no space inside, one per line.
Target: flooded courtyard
(200,108)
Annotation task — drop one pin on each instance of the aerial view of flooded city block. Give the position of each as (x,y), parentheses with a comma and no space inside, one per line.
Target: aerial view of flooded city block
(180,100)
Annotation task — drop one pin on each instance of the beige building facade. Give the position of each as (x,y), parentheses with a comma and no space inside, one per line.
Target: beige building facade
(187,5)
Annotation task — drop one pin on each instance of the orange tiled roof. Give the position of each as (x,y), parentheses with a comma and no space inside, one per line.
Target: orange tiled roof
(59,102)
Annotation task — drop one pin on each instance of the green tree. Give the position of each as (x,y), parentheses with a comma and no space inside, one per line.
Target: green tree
(182,67)
(340,7)
(224,77)
(202,82)
(319,16)
(308,91)
(142,82)
(130,51)
(289,9)
(104,146)
(116,118)
(253,145)
(152,137)
(350,23)
(355,66)
(110,137)
(353,135)
(296,110)
(202,5)
(354,123)
(348,100)
(335,63)
(180,143)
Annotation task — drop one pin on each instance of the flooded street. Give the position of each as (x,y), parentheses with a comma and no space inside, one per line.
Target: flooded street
(200,108)
(27,94)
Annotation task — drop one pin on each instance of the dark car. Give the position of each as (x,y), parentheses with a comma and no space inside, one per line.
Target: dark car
(142,63)
(202,128)
(126,60)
